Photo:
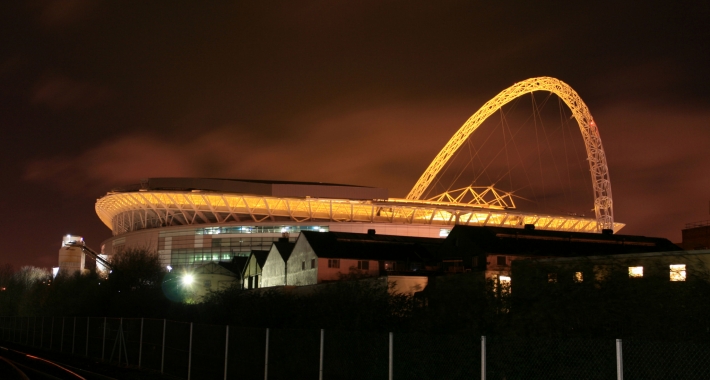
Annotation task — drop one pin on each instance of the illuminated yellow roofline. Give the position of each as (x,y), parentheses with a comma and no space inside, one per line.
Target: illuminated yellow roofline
(130,211)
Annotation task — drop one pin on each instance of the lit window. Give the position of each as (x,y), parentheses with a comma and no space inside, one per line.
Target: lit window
(552,277)
(677,272)
(333,263)
(635,271)
(504,284)
(578,277)
(363,265)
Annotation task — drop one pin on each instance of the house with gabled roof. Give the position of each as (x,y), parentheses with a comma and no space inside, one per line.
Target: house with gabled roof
(253,269)
(273,271)
(320,257)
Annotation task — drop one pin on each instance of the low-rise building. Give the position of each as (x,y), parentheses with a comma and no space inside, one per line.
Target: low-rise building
(273,272)
(670,266)
(332,256)
(492,250)
(253,269)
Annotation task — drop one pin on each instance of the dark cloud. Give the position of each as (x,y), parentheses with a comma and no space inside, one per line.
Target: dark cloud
(62,93)
(99,94)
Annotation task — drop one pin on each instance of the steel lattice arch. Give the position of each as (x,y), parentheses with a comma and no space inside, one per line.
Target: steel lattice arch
(603,205)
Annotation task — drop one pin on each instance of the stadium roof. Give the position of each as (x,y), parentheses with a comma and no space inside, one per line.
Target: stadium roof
(257,187)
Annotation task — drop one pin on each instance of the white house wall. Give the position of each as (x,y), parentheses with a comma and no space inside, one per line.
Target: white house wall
(295,275)
(274,271)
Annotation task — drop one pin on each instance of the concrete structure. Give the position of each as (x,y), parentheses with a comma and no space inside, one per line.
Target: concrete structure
(696,235)
(71,259)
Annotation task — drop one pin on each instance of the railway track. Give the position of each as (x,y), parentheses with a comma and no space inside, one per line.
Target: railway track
(17,365)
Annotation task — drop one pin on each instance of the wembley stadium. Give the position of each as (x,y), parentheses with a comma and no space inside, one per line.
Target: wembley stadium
(194,220)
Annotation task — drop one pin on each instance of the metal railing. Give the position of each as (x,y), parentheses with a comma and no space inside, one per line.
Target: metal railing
(202,351)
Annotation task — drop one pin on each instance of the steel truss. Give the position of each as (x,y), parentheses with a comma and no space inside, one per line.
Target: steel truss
(132,211)
(603,205)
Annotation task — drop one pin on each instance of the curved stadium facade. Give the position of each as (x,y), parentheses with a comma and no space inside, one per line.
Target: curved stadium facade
(196,220)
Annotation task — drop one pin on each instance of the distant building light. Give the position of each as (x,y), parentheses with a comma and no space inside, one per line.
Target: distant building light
(678,272)
(169,268)
(635,271)
(444,232)
(578,277)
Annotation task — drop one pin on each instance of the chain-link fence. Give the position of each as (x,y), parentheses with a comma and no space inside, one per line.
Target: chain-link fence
(201,351)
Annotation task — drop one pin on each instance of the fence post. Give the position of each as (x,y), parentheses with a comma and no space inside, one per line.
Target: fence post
(119,337)
(162,355)
(483,357)
(88,319)
(51,335)
(320,367)
(619,361)
(391,371)
(103,342)
(266,356)
(226,352)
(189,355)
(140,345)
(61,339)
(73,337)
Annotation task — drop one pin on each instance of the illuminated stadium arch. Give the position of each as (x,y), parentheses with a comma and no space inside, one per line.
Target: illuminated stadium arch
(603,205)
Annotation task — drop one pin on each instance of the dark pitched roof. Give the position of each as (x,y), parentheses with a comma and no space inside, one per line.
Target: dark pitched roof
(343,245)
(260,257)
(516,241)
(237,264)
(284,248)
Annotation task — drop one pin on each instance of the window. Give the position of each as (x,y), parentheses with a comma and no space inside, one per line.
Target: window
(552,277)
(390,265)
(208,284)
(501,260)
(504,284)
(333,263)
(363,265)
(578,277)
(678,272)
(313,263)
(303,265)
(635,271)
(474,262)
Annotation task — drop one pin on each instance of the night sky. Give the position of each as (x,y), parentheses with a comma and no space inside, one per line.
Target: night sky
(98,94)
